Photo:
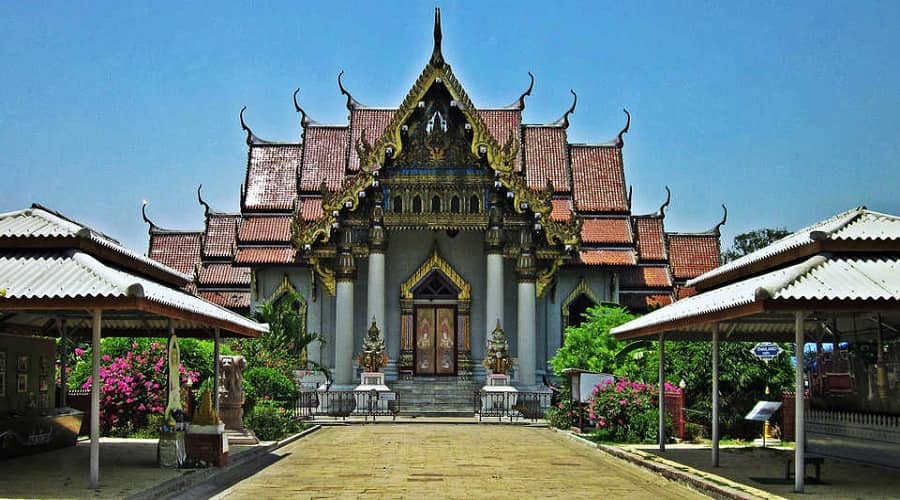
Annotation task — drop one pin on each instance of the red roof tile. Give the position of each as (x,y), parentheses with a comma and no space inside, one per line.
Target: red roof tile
(645,277)
(598,178)
(265,228)
(272,177)
(608,257)
(685,291)
(606,231)
(562,210)
(500,122)
(693,254)
(310,209)
(230,300)
(640,302)
(221,233)
(373,121)
(324,157)
(650,242)
(180,251)
(265,255)
(546,158)
(224,274)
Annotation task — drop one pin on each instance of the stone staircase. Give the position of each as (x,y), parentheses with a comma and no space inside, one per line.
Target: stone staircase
(435,396)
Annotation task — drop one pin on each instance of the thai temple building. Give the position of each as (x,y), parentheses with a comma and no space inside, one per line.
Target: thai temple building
(438,220)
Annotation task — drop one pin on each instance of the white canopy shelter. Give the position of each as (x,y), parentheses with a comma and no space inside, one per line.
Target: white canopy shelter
(59,275)
(841,274)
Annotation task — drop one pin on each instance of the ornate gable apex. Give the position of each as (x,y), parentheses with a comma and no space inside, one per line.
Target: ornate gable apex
(500,159)
(437,71)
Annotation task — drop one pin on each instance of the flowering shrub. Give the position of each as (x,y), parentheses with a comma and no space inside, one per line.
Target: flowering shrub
(565,414)
(133,386)
(626,411)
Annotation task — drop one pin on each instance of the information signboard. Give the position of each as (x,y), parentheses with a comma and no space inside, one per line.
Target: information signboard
(766,351)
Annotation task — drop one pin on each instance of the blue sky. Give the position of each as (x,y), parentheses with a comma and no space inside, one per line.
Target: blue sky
(787,112)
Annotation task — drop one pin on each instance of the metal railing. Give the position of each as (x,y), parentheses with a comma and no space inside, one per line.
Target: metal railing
(343,404)
(512,405)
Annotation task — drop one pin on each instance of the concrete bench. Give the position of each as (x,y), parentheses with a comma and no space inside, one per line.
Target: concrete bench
(807,460)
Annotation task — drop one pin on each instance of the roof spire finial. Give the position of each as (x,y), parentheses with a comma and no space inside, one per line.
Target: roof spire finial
(520,104)
(437,58)
(200,199)
(351,102)
(630,192)
(144,215)
(716,229)
(304,118)
(564,121)
(662,208)
(619,140)
(244,126)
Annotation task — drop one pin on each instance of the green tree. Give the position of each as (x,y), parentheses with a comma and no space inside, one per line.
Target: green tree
(285,345)
(590,346)
(751,241)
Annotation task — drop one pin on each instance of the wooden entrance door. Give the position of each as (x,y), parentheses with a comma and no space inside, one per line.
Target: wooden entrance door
(435,352)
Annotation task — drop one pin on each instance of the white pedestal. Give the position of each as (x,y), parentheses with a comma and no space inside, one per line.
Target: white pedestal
(371,381)
(497,379)
(501,394)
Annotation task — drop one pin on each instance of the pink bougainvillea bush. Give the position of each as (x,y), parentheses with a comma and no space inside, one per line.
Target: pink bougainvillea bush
(626,411)
(133,387)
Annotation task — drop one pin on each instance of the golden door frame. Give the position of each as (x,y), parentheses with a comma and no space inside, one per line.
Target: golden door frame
(462,304)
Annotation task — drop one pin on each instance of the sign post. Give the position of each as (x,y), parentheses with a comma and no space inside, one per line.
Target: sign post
(766,351)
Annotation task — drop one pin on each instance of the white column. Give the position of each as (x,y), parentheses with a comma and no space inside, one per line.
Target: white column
(662,392)
(375,290)
(217,372)
(343,333)
(799,407)
(715,395)
(97,316)
(493,300)
(526,337)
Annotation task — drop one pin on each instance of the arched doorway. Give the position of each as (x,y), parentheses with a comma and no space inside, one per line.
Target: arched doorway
(435,304)
(575,305)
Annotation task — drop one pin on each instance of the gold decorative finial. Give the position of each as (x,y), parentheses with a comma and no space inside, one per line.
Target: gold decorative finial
(437,58)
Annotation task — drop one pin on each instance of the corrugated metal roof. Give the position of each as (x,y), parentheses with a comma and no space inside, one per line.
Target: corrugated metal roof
(817,278)
(37,222)
(856,224)
(70,274)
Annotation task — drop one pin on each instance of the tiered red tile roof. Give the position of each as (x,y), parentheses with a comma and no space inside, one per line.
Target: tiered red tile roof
(221,235)
(651,244)
(285,180)
(546,158)
(598,178)
(176,249)
(617,230)
(271,182)
(324,158)
(693,254)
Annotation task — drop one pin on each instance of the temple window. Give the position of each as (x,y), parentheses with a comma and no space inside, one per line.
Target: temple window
(398,205)
(417,205)
(436,204)
(474,204)
(454,205)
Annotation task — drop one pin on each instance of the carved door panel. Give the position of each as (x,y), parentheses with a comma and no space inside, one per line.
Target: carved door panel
(435,352)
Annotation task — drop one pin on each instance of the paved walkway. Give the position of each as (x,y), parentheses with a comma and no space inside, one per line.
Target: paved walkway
(448,461)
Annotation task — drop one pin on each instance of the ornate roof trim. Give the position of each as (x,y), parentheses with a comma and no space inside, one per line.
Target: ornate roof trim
(304,118)
(436,263)
(564,119)
(519,104)
(437,57)
(351,102)
(252,139)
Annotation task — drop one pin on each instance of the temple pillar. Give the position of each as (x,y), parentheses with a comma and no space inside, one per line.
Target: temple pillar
(527,300)
(494,300)
(375,292)
(345,275)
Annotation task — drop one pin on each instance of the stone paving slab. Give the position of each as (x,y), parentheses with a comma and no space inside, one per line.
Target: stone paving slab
(127,467)
(448,461)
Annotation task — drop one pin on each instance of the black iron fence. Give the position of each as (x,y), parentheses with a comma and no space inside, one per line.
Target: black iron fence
(512,405)
(343,404)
